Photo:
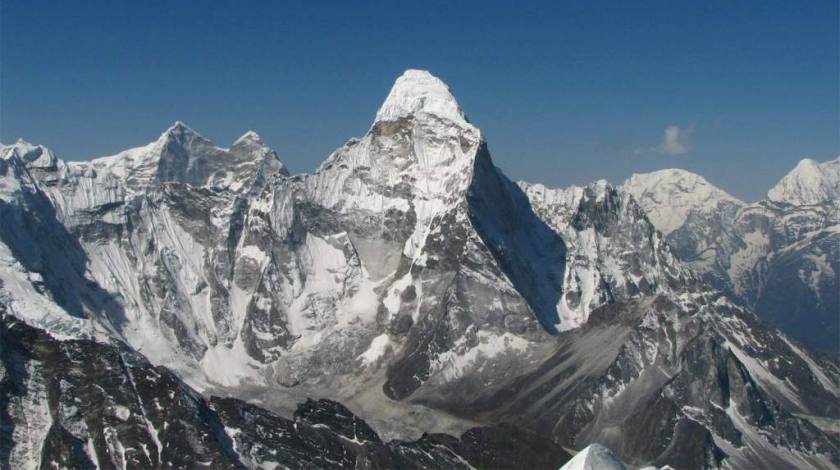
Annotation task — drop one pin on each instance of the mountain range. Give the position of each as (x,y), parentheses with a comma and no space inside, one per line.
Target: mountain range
(779,256)
(405,305)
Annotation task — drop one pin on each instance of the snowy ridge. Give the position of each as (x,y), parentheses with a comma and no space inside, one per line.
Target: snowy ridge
(181,154)
(810,182)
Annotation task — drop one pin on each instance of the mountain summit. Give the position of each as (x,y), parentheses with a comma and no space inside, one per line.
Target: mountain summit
(810,182)
(669,196)
(419,92)
(183,155)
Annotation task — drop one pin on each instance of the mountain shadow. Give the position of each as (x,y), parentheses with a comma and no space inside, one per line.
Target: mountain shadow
(529,252)
(43,245)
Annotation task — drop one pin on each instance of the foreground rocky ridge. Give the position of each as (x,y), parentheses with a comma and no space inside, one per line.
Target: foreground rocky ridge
(410,279)
(85,404)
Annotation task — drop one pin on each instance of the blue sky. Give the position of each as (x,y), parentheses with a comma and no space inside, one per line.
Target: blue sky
(565,92)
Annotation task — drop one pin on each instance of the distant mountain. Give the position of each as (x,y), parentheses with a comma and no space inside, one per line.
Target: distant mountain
(669,197)
(780,256)
(810,183)
(406,278)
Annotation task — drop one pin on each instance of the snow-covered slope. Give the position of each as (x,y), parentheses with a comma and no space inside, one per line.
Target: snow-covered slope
(410,279)
(779,256)
(811,182)
(594,457)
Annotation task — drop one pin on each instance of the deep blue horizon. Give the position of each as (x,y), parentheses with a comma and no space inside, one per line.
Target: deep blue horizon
(564,93)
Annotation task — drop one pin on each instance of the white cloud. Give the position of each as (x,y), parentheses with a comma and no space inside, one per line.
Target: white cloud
(675,141)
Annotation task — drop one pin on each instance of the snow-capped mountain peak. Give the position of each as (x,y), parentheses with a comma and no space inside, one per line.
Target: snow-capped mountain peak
(251,148)
(419,92)
(810,182)
(669,196)
(419,148)
(250,143)
(179,131)
(249,137)
(32,155)
(594,457)
(20,147)
(181,154)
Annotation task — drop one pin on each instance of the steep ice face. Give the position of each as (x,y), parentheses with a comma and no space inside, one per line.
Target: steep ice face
(409,153)
(418,92)
(669,196)
(154,213)
(30,162)
(810,182)
(410,164)
(174,156)
(594,457)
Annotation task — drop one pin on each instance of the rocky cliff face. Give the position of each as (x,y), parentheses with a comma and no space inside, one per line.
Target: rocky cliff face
(779,256)
(411,280)
(86,404)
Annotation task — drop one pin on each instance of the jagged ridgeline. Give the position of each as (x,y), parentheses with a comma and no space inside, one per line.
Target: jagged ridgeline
(406,278)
